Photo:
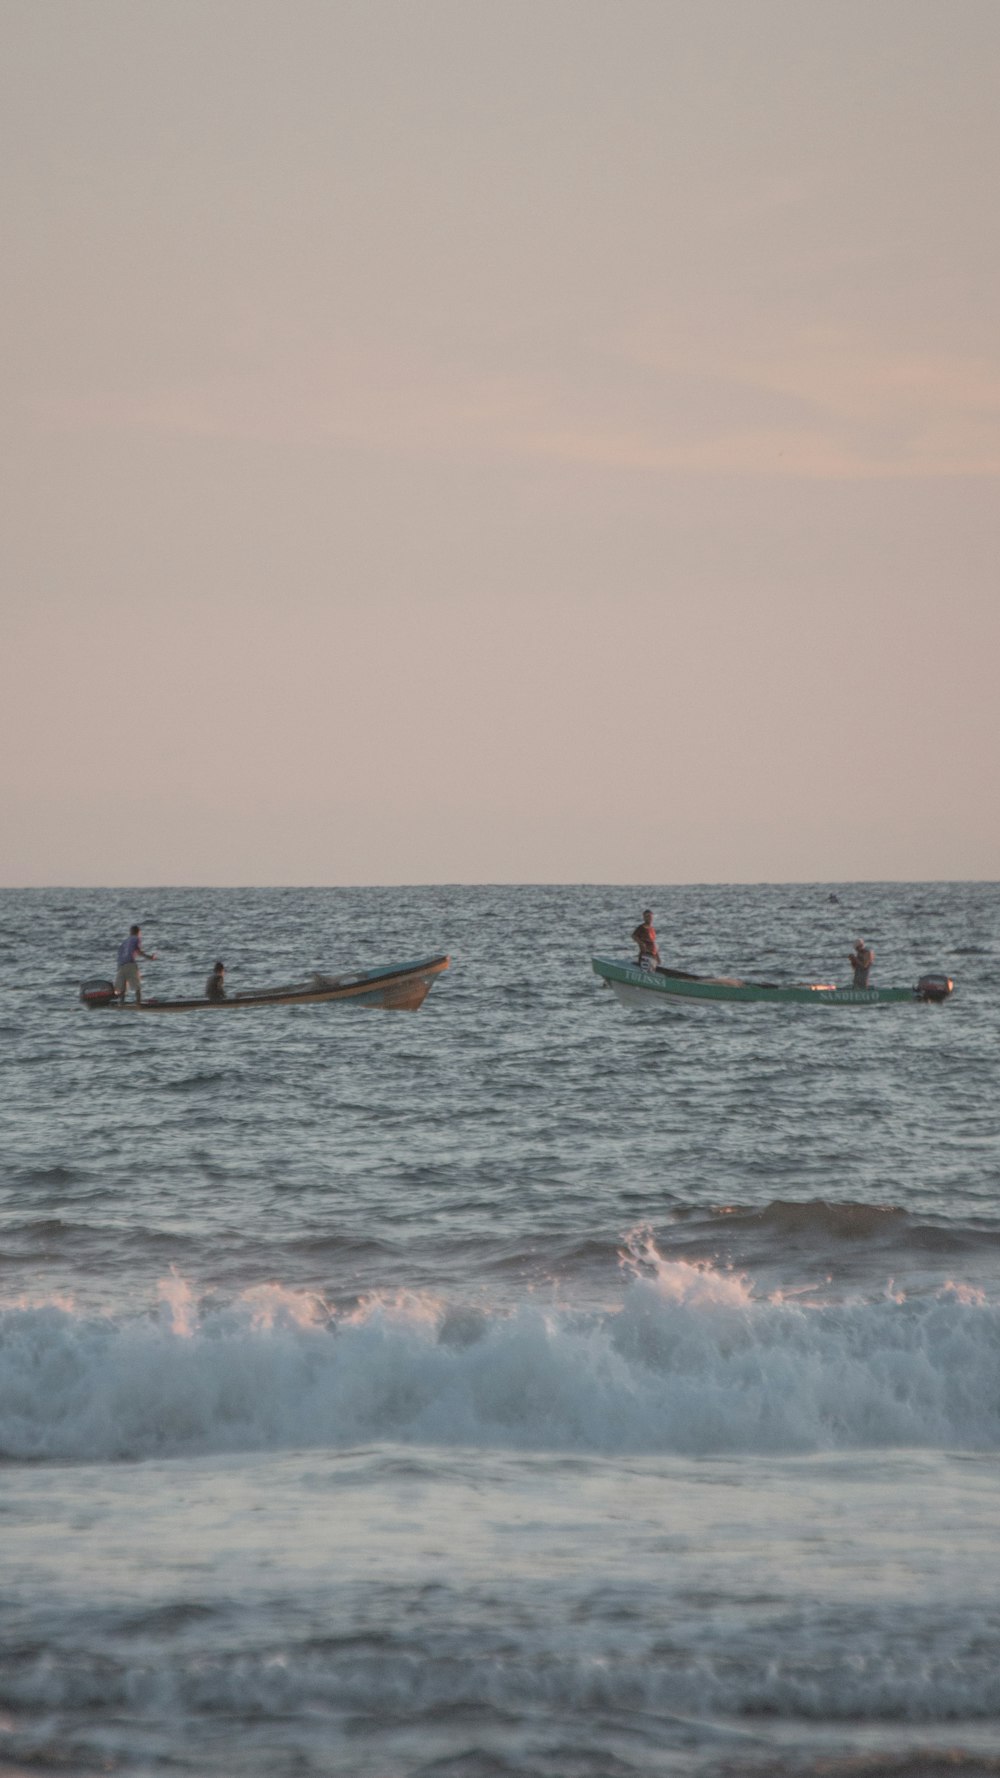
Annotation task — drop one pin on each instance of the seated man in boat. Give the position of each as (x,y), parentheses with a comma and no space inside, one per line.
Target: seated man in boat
(861,959)
(645,937)
(215,987)
(128,969)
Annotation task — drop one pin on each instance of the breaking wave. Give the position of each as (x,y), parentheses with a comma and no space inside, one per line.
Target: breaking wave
(687,1361)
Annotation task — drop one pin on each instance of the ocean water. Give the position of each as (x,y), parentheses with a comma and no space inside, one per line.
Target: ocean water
(521,1386)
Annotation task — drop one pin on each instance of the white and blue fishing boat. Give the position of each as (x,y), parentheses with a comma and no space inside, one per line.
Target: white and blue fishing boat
(397,987)
(666,987)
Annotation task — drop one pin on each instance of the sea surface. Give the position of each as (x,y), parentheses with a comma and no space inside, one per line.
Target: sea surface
(524,1386)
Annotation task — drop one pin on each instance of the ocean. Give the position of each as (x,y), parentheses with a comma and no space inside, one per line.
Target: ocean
(526,1386)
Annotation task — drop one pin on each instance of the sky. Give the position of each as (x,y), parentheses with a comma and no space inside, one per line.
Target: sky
(499,440)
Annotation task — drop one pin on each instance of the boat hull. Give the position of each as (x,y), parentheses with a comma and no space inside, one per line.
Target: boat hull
(401,987)
(665,988)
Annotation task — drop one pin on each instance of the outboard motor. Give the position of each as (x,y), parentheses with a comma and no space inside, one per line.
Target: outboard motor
(934,987)
(98,993)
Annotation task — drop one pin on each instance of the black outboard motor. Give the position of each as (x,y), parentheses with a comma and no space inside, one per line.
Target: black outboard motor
(98,993)
(934,987)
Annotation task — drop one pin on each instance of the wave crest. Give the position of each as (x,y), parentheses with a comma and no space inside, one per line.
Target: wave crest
(688,1361)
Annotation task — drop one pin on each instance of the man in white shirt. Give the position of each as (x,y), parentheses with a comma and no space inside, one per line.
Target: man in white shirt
(128,969)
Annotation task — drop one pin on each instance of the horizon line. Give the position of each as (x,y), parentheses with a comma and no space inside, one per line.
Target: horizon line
(518,883)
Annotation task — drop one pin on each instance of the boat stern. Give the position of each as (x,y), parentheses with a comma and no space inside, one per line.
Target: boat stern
(935,988)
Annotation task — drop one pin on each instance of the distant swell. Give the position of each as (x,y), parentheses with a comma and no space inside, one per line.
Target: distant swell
(850,1221)
(688,1361)
(819,1221)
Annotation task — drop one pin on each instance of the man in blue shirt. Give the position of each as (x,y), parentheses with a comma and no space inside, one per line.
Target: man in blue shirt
(128,969)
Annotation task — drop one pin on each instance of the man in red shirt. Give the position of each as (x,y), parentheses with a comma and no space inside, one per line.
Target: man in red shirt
(645,937)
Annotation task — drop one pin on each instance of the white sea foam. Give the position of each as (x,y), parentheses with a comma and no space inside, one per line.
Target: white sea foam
(688,1361)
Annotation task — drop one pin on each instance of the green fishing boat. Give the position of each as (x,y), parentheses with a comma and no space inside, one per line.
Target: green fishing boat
(665,987)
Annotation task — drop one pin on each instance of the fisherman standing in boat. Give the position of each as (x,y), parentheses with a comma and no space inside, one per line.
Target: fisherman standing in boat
(128,969)
(645,937)
(861,959)
(215,987)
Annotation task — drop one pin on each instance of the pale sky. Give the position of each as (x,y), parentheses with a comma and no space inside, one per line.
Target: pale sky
(499,440)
